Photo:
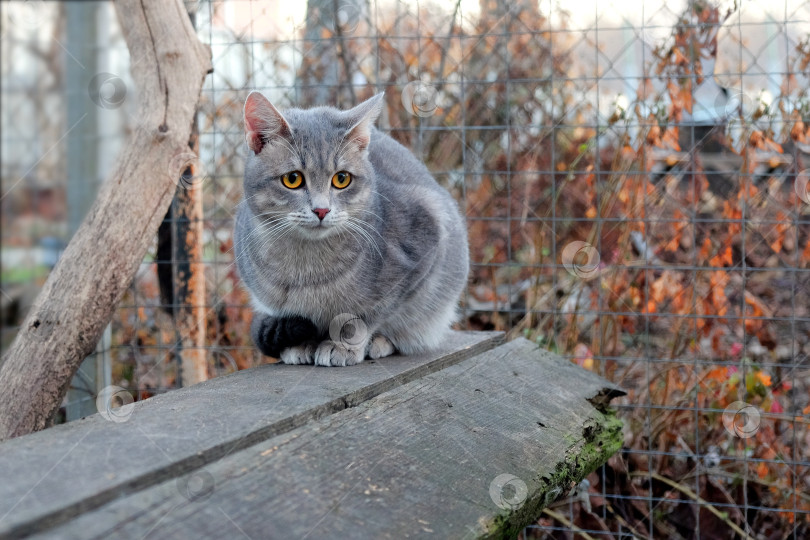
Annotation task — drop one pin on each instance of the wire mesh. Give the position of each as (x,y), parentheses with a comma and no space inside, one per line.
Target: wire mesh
(635,182)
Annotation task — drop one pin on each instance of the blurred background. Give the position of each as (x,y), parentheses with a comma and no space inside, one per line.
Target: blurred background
(634,177)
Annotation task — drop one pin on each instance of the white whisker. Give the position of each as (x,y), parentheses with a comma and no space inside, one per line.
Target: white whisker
(367,224)
(354,224)
(268,233)
(369,212)
(381,195)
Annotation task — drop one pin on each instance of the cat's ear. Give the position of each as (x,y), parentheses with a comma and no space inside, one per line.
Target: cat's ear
(262,122)
(362,118)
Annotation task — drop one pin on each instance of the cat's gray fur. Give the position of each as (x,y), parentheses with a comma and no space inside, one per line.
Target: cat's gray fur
(400,271)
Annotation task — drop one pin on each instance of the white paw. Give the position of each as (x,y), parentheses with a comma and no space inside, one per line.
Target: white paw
(330,353)
(380,347)
(300,354)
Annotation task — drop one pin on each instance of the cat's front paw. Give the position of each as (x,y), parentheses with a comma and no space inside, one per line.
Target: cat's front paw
(300,354)
(380,347)
(331,353)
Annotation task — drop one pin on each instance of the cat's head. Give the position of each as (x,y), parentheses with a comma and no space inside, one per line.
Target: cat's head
(309,169)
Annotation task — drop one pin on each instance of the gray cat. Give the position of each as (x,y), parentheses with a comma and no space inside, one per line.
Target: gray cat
(348,246)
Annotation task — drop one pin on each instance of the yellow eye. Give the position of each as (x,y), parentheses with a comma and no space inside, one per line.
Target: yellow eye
(341,179)
(292,180)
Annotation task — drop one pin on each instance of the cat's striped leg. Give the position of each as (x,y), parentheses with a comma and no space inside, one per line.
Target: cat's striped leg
(272,335)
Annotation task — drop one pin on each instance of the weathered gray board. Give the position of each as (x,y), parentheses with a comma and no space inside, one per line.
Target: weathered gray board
(418,460)
(54,475)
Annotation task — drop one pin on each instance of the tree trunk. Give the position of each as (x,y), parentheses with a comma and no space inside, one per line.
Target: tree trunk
(328,65)
(189,274)
(169,65)
(181,273)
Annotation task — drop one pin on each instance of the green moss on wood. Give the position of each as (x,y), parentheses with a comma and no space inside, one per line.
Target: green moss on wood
(602,437)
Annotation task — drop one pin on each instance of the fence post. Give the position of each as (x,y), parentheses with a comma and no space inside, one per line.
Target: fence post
(83,176)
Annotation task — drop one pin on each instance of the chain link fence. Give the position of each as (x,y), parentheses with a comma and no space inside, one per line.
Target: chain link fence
(634,177)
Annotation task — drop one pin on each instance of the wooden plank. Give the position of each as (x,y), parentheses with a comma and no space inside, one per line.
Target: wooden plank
(424,459)
(50,476)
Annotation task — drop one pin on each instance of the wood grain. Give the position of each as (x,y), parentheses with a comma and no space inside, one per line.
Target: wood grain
(418,460)
(58,473)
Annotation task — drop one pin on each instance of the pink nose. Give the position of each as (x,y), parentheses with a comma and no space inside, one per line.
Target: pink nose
(321,212)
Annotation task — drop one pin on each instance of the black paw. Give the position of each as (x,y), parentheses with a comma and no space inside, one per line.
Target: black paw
(272,335)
